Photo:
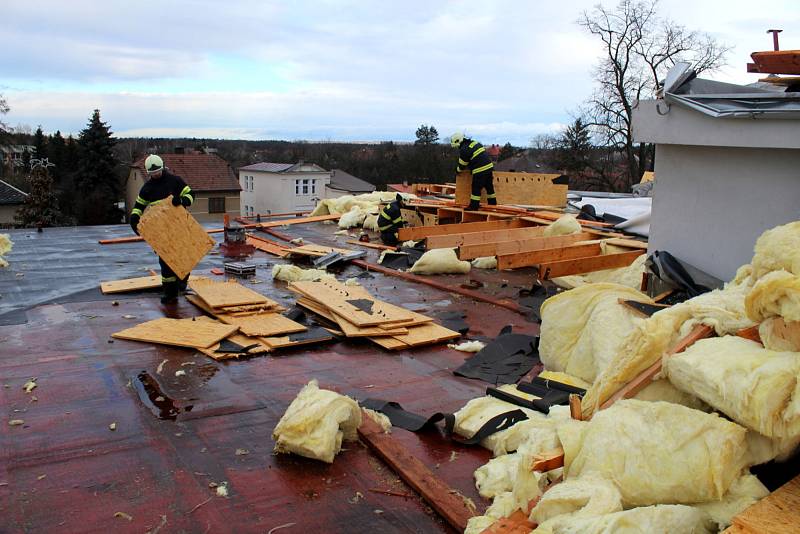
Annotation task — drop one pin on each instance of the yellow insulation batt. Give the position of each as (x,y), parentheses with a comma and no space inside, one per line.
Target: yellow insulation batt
(497,475)
(661,519)
(776,294)
(656,452)
(755,387)
(440,261)
(5,248)
(745,490)
(630,276)
(293,273)
(468,346)
(316,423)
(582,329)
(587,496)
(502,506)
(486,262)
(777,249)
(722,309)
(778,334)
(354,217)
(369,202)
(566,224)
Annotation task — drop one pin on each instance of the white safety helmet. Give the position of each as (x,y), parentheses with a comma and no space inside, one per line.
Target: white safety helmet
(153,163)
(456,138)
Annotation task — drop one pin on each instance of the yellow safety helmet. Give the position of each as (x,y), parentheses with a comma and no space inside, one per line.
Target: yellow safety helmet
(153,163)
(456,138)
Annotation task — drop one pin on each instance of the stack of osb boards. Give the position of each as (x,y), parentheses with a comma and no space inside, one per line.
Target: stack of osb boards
(257,317)
(358,314)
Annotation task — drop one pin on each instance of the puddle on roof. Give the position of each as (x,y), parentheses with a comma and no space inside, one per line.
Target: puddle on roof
(153,397)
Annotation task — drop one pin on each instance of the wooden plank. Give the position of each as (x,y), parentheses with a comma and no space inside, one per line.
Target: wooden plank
(775,62)
(335,296)
(426,334)
(547,461)
(130,284)
(552,217)
(468,252)
(750,333)
(179,332)
(646,377)
(488,236)
(408,467)
(630,243)
(587,265)
(227,293)
(262,324)
(268,246)
(537,257)
(777,513)
(137,238)
(175,236)
(299,220)
(421,232)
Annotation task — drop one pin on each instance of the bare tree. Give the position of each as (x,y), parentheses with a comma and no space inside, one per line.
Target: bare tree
(639,48)
(4,131)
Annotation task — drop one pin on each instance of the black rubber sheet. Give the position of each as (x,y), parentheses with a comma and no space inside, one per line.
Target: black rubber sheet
(504,360)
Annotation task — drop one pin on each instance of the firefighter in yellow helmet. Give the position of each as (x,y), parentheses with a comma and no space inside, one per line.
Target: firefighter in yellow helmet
(472,156)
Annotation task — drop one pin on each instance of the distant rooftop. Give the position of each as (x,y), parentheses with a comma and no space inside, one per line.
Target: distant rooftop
(10,195)
(524,163)
(281,167)
(344,181)
(203,172)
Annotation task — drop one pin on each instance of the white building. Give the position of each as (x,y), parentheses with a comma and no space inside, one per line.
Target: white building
(269,188)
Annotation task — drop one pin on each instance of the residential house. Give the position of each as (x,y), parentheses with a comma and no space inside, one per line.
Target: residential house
(11,199)
(727,163)
(524,163)
(215,188)
(13,155)
(293,187)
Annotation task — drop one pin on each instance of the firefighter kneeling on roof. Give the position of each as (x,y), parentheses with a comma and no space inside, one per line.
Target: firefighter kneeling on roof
(472,156)
(391,220)
(160,185)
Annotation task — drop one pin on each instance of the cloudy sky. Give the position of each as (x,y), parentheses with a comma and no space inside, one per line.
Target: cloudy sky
(339,70)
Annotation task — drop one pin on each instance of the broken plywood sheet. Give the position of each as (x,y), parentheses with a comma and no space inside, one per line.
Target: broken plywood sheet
(312,335)
(133,284)
(239,339)
(359,308)
(418,335)
(227,294)
(263,324)
(348,329)
(179,332)
(175,236)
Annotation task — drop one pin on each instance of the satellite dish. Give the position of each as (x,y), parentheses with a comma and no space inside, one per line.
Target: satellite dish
(677,75)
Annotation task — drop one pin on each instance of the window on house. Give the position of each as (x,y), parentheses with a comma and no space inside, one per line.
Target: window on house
(305,186)
(302,187)
(251,211)
(251,183)
(313,187)
(216,205)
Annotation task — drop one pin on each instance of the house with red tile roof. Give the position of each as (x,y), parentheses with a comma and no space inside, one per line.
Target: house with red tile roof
(214,185)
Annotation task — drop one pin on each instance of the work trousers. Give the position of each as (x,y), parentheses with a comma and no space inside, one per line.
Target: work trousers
(389,237)
(170,281)
(483,180)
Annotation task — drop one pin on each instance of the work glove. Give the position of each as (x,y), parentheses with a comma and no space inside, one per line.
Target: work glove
(135,224)
(176,201)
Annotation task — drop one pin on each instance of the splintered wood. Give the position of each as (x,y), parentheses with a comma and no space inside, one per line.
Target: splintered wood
(179,332)
(175,236)
(358,314)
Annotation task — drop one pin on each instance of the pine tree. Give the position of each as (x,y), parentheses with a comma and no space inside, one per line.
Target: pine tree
(507,151)
(40,144)
(41,206)
(97,185)
(575,147)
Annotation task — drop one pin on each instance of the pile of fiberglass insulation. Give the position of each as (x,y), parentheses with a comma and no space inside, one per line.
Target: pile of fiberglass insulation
(677,456)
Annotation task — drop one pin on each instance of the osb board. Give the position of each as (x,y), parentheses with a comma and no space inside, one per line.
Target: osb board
(335,296)
(416,318)
(524,188)
(251,308)
(411,217)
(239,339)
(282,342)
(263,324)
(175,236)
(348,329)
(134,284)
(180,332)
(777,513)
(268,247)
(417,335)
(226,294)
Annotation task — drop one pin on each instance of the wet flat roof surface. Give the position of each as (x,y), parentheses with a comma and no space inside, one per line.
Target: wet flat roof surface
(64,470)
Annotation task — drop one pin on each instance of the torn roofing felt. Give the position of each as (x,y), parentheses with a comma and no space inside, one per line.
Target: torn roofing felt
(504,360)
(416,423)
(405,258)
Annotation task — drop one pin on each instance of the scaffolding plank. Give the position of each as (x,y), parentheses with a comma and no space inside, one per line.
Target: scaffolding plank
(408,467)
(536,257)
(175,236)
(179,332)
(587,265)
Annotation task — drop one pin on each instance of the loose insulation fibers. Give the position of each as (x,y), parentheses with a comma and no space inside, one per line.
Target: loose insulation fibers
(293,273)
(316,423)
(5,248)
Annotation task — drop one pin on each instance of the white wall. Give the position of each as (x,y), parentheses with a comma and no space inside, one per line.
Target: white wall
(276,192)
(710,204)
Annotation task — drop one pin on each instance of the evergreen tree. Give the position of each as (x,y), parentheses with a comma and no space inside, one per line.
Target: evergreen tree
(507,151)
(41,206)
(575,147)
(40,144)
(426,135)
(96,183)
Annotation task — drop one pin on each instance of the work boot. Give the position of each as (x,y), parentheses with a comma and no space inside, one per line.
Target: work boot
(492,202)
(170,293)
(182,284)
(474,205)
